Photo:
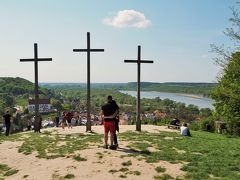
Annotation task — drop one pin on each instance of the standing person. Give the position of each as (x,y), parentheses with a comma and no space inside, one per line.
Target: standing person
(57,120)
(7,119)
(115,141)
(184,130)
(108,114)
(63,121)
(69,117)
(29,124)
(40,124)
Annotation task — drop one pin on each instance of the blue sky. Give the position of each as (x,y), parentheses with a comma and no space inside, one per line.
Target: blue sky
(176,34)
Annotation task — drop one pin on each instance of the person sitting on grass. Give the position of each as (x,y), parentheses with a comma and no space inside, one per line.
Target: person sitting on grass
(184,130)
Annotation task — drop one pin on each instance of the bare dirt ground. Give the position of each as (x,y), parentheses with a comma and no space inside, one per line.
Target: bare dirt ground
(99,161)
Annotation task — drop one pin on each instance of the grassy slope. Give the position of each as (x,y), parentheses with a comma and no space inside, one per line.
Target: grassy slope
(206,155)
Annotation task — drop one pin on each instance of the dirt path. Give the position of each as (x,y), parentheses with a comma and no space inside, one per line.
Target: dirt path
(97,166)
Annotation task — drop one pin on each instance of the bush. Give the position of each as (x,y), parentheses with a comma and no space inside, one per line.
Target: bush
(147,121)
(163,122)
(207,124)
(195,126)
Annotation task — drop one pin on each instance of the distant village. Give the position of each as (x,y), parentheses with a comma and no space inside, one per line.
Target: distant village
(79,117)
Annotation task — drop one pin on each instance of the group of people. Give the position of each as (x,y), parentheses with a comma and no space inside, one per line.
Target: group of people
(65,119)
(184,130)
(110,117)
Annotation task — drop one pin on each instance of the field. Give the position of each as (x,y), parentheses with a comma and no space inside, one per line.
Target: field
(155,153)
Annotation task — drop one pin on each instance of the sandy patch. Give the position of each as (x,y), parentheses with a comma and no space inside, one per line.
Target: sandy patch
(99,129)
(99,161)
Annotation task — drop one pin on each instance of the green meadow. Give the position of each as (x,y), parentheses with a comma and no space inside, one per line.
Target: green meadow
(203,156)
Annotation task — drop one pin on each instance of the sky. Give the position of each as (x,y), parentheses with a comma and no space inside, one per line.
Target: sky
(175,34)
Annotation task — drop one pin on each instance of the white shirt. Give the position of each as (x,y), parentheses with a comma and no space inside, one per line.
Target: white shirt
(183,130)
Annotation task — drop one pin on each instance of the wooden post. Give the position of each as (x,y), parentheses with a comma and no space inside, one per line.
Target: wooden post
(138,109)
(88,50)
(37,125)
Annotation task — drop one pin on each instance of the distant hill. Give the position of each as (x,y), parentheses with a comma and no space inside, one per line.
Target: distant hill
(17,91)
(174,87)
(84,85)
(15,86)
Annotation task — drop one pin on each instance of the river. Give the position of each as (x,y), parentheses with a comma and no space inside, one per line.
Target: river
(197,100)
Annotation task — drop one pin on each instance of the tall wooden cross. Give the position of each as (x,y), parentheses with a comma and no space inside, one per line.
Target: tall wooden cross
(138,61)
(88,50)
(37,122)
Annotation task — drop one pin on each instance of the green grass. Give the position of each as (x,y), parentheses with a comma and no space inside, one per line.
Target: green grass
(160,169)
(123,176)
(69,176)
(208,155)
(11,137)
(128,163)
(136,173)
(49,146)
(164,177)
(79,158)
(6,171)
(123,169)
(4,167)
(100,155)
(10,172)
(113,171)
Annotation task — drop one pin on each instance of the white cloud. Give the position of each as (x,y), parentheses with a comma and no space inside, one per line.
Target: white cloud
(128,18)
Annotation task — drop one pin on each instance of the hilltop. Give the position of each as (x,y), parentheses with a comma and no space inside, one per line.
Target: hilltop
(154,153)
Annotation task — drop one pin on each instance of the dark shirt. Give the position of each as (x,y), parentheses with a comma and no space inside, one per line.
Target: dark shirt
(175,122)
(117,107)
(7,118)
(115,104)
(109,109)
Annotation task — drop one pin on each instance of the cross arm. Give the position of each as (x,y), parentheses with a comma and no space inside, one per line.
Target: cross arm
(97,50)
(136,61)
(45,59)
(40,59)
(130,61)
(86,50)
(146,61)
(26,60)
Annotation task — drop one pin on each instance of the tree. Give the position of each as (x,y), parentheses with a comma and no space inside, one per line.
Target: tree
(57,104)
(227,94)
(233,33)
(205,112)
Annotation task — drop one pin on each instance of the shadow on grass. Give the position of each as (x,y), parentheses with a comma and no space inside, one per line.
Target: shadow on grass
(133,151)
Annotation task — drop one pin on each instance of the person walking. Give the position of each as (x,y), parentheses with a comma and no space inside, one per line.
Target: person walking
(108,114)
(7,119)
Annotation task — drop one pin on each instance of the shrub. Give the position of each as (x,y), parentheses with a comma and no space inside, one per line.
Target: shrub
(195,126)
(207,124)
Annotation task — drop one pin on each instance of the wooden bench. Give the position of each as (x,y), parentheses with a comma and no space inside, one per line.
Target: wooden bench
(173,126)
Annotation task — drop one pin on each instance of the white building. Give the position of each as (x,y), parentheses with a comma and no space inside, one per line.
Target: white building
(44,105)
